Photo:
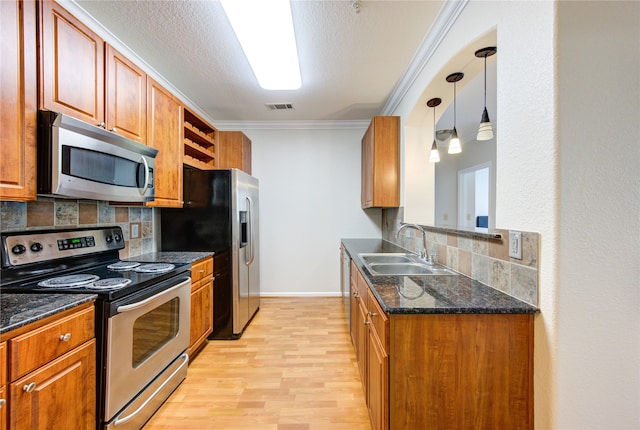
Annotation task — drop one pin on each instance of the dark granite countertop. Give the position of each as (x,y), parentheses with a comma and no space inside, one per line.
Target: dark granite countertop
(171,257)
(431,294)
(17,310)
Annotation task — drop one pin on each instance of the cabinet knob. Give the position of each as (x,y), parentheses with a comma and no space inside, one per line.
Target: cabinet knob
(65,337)
(372,314)
(113,129)
(2,403)
(201,271)
(101,124)
(365,322)
(29,387)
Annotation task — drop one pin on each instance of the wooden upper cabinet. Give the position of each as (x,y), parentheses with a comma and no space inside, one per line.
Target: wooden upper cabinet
(126,94)
(164,132)
(381,163)
(71,65)
(18,109)
(235,151)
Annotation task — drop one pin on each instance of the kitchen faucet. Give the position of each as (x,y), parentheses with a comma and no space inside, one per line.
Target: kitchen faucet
(424,254)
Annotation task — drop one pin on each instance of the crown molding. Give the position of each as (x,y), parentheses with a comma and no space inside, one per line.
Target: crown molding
(447,16)
(291,125)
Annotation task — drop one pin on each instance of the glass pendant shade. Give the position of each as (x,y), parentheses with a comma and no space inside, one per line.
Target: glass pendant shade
(434,155)
(454,143)
(485,131)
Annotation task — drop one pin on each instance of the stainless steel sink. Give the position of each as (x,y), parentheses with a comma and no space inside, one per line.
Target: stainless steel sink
(386,258)
(396,264)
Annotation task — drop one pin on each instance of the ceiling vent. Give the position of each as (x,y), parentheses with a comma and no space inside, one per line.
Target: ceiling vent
(279,106)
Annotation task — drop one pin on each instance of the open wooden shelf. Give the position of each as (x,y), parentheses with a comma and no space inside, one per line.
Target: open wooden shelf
(200,142)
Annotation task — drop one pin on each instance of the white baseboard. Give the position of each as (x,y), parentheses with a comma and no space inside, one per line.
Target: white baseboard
(299,294)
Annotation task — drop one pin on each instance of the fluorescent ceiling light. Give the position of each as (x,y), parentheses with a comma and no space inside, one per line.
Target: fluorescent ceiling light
(264,29)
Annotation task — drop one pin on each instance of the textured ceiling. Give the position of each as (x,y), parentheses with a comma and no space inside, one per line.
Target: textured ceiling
(350,62)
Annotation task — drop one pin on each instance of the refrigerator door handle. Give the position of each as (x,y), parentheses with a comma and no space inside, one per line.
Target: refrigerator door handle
(249,255)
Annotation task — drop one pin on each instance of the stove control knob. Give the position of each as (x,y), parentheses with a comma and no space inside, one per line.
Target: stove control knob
(117,237)
(18,249)
(109,238)
(36,247)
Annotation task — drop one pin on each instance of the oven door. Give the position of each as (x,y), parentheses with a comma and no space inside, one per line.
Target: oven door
(144,339)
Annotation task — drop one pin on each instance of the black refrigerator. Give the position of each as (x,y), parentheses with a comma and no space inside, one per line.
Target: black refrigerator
(220,214)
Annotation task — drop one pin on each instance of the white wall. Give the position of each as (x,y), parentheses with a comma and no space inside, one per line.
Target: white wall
(309,200)
(599,261)
(568,155)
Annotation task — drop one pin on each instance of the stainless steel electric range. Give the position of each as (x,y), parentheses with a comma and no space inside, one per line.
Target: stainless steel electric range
(142,312)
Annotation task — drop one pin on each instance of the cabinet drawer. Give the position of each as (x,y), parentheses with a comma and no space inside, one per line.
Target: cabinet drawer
(362,288)
(39,346)
(379,322)
(201,269)
(3,363)
(354,271)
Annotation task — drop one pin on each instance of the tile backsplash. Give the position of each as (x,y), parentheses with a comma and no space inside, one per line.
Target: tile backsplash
(49,213)
(483,259)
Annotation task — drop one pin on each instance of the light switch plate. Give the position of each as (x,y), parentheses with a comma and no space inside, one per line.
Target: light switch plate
(134,231)
(515,244)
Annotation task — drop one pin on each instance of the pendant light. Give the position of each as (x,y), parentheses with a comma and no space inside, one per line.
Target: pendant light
(434,155)
(485,131)
(454,143)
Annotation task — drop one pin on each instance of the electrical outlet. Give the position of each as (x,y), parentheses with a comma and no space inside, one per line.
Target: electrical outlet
(515,244)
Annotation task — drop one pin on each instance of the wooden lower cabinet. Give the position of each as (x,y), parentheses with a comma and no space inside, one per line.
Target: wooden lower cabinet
(443,371)
(201,305)
(59,395)
(3,386)
(465,371)
(51,365)
(371,345)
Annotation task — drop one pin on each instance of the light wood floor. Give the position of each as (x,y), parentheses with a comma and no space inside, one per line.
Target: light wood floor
(294,368)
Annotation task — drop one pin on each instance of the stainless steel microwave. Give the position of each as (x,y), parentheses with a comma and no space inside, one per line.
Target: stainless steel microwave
(79,160)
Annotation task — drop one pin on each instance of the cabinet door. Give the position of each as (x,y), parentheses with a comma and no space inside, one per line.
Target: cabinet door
(71,65)
(378,380)
(362,343)
(354,312)
(164,133)
(235,151)
(126,93)
(367,168)
(3,408)
(201,314)
(3,388)
(386,161)
(19,100)
(59,395)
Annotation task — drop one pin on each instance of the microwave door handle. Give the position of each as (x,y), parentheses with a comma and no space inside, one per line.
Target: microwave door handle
(146,175)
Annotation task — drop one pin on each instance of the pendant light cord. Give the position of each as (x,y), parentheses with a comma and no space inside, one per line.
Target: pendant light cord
(454,105)
(485,81)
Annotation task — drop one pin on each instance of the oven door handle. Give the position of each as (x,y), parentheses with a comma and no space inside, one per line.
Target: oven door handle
(185,360)
(132,306)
